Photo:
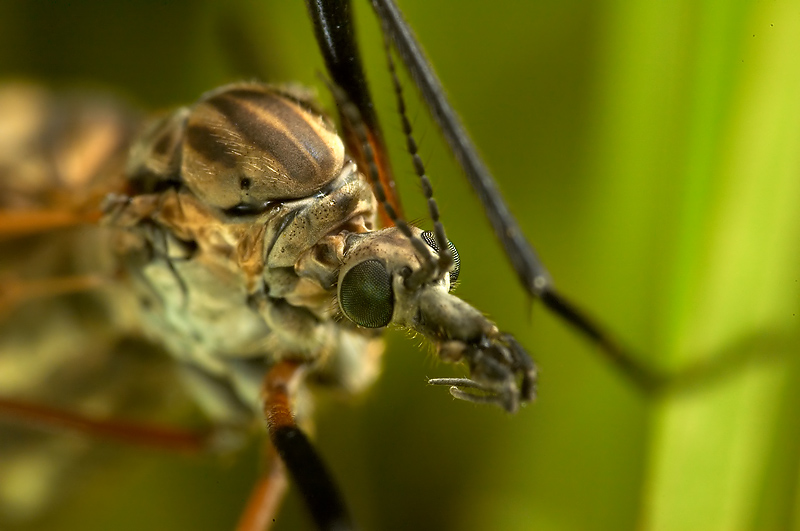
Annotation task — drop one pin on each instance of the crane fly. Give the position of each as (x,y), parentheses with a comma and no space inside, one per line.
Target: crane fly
(433,485)
(248,236)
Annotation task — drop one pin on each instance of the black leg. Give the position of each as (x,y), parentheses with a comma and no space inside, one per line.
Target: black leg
(301,459)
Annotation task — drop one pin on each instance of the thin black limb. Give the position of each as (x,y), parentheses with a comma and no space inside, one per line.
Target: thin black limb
(309,473)
(531,272)
(648,380)
(333,28)
(526,263)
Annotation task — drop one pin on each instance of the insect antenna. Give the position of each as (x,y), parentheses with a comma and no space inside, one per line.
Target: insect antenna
(446,260)
(532,273)
(352,115)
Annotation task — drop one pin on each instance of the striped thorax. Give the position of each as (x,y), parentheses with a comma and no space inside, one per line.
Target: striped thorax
(237,210)
(251,238)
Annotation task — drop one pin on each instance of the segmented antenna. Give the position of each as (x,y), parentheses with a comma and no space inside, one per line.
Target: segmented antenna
(351,113)
(445,255)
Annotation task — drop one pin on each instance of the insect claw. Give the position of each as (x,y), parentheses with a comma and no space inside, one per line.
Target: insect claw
(457,382)
(507,398)
(507,401)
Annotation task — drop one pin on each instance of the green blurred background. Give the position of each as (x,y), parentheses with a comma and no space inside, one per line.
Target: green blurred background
(650,151)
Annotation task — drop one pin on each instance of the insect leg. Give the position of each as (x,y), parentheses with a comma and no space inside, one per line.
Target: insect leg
(15,291)
(149,436)
(266,497)
(333,27)
(530,270)
(301,459)
(25,222)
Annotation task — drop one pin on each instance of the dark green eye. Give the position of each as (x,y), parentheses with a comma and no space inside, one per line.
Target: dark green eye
(366,296)
(429,238)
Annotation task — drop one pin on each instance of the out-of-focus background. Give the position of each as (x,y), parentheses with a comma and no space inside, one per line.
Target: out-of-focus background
(651,152)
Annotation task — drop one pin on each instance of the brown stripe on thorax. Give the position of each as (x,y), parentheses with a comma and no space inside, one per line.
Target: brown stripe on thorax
(248,144)
(279,128)
(205,142)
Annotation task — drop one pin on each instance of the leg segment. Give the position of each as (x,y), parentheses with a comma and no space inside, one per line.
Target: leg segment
(15,291)
(26,222)
(332,22)
(301,459)
(266,497)
(149,436)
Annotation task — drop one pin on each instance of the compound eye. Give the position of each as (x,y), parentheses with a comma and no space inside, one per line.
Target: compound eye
(429,238)
(366,296)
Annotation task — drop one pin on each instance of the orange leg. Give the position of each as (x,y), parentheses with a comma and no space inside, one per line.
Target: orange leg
(149,436)
(15,291)
(27,222)
(298,455)
(265,500)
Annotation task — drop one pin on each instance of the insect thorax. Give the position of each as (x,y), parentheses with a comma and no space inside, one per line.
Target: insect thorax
(233,235)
